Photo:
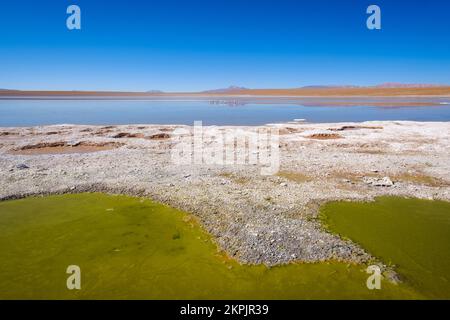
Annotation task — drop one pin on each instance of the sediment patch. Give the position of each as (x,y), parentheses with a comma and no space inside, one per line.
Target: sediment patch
(62,147)
(159,136)
(297,177)
(325,136)
(420,178)
(235,178)
(128,135)
(344,128)
(289,130)
(8,133)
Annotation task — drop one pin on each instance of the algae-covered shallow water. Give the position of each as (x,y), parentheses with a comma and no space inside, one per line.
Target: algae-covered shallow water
(134,248)
(411,234)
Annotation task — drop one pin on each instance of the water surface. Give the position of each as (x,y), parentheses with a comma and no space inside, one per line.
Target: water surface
(108,112)
(134,248)
(411,234)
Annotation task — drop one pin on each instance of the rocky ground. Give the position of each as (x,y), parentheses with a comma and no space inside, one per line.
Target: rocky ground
(254,218)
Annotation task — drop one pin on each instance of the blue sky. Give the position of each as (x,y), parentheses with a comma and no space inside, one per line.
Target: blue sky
(190,45)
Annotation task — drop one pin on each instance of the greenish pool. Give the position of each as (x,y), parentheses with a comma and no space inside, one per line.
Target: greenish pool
(134,248)
(412,234)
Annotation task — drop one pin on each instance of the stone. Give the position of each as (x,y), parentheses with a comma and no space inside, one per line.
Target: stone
(377,182)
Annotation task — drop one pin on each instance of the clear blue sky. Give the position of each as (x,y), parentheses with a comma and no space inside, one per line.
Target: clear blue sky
(189,45)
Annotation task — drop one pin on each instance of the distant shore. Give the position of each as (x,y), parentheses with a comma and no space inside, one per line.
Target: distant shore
(335,92)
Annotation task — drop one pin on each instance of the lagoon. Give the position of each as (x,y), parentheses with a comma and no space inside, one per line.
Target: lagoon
(412,235)
(30,112)
(133,248)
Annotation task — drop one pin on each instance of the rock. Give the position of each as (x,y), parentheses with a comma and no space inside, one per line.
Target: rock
(385,182)
(377,182)
(283,184)
(392,276)
(22,166)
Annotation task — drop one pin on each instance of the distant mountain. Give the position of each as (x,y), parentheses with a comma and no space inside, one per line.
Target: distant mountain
(317,87)
(154,91)
(405,85)
(226,90)
(328,87)
(386,85)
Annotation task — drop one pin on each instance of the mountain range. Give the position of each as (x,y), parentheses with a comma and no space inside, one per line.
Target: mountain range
(386,85)
(385,89)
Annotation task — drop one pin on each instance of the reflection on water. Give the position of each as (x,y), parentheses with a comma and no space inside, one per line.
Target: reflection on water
(230,103)
(217,112)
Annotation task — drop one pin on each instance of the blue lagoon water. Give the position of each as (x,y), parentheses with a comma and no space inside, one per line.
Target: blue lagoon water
(31,112)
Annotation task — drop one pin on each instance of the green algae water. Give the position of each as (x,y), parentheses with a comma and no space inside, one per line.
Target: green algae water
(412,235)
(131,248)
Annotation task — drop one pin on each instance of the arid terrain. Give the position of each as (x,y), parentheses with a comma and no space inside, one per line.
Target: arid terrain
(254,218)
(426,91)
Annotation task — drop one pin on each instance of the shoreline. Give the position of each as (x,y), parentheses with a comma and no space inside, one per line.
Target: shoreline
(395,91)
(199,97)
(253,218)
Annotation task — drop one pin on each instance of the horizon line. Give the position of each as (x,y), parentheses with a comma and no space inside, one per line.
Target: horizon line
(233,88)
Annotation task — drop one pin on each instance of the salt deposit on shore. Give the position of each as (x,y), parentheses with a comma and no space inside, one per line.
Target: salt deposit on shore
(254,218)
